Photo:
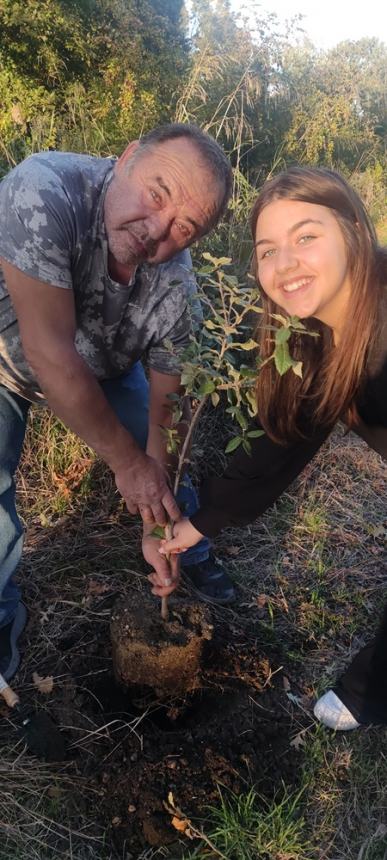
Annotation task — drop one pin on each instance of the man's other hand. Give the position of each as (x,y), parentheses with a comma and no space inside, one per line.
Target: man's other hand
(165,577)
(143,485)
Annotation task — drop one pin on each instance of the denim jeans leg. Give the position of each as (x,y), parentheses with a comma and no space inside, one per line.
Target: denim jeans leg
(13,421)
(129,397)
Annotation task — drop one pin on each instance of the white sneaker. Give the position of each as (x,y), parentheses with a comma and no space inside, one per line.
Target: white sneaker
(333,713)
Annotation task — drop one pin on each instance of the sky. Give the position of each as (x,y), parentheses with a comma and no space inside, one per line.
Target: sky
(330,21)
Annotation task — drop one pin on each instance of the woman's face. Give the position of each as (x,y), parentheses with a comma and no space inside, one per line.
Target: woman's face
(302,261)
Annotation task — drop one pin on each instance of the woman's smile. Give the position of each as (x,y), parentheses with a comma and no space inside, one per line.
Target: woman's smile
(302,260)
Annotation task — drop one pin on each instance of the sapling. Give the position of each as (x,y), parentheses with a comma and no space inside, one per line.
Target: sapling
(212,366)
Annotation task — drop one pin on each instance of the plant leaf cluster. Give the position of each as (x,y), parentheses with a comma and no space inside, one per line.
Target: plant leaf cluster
(221,360)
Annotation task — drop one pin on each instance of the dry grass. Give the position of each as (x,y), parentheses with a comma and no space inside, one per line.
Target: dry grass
(317,564)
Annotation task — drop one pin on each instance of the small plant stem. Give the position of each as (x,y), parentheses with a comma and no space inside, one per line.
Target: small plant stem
(180,465)
(187,442)
(164,609)
(176,811)
(164,600)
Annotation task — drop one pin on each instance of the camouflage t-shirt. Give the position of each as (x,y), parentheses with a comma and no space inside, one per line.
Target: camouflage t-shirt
(52,228)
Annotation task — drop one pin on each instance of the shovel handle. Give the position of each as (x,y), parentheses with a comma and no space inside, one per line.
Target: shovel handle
(10,698)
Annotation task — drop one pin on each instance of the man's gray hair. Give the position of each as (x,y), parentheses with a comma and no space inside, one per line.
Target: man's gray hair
(211,152)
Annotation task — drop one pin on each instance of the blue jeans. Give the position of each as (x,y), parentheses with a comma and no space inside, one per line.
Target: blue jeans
(129,397)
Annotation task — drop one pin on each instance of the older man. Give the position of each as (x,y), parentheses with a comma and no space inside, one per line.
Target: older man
(94,275)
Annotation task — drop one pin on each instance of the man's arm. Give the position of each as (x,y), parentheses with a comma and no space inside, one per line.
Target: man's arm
(46,317)
(162,385)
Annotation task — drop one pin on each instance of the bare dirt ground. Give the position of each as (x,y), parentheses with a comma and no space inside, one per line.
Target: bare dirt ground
(311,578)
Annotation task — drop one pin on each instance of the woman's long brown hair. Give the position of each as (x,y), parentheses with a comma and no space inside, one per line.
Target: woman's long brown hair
(289,407)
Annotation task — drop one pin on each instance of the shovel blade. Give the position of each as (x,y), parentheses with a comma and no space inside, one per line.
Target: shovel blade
(43,737)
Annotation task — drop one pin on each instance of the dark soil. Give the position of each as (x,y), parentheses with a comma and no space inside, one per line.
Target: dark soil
(232,732)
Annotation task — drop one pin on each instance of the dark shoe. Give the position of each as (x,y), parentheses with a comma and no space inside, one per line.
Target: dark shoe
(9,652)
(209,581)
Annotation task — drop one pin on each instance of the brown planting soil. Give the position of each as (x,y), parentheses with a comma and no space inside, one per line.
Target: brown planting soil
(164,655)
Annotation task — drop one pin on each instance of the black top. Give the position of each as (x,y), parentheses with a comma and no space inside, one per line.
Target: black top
(251,483)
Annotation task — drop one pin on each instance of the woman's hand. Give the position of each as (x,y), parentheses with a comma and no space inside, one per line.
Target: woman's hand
(184,536)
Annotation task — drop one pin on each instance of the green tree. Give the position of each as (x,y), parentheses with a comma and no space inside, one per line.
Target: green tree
(337,104)
(86,74)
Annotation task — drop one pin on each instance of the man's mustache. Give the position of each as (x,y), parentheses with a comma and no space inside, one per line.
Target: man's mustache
(149,245)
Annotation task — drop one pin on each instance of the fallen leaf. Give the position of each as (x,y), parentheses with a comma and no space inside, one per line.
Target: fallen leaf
(54,791)
(131,808)
(295,700)
(116,821)
(378,531)
(233,550)
(95,587)
(286,683)
(261,600)
(298,741)
(181,824)
(44,685)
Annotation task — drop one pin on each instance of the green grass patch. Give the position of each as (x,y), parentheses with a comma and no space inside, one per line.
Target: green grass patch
(248,827)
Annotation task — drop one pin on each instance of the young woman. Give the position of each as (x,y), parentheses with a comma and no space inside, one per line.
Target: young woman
(316,257)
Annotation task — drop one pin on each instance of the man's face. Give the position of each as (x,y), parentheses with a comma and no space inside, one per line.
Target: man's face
(159,201)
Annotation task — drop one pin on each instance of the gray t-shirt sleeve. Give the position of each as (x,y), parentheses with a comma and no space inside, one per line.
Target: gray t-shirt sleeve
(37,220)
(166,355)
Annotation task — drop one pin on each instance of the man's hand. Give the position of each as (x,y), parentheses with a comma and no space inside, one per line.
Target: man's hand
(143,485)
(184,536)
(165,578)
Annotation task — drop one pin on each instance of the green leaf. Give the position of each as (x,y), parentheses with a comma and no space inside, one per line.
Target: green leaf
(249,344)
(251,399)
(205,270)
(241,419)
(207,387)
(158,532)
(282,335)
(255,434)
(280,318)
(215,398)
(282,359)
(295,322)
(217,261)
(233,444)
(254,309)
(247,372)
(231,281)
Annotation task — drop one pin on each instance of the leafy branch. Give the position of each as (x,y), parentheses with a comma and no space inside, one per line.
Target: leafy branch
(213,364)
